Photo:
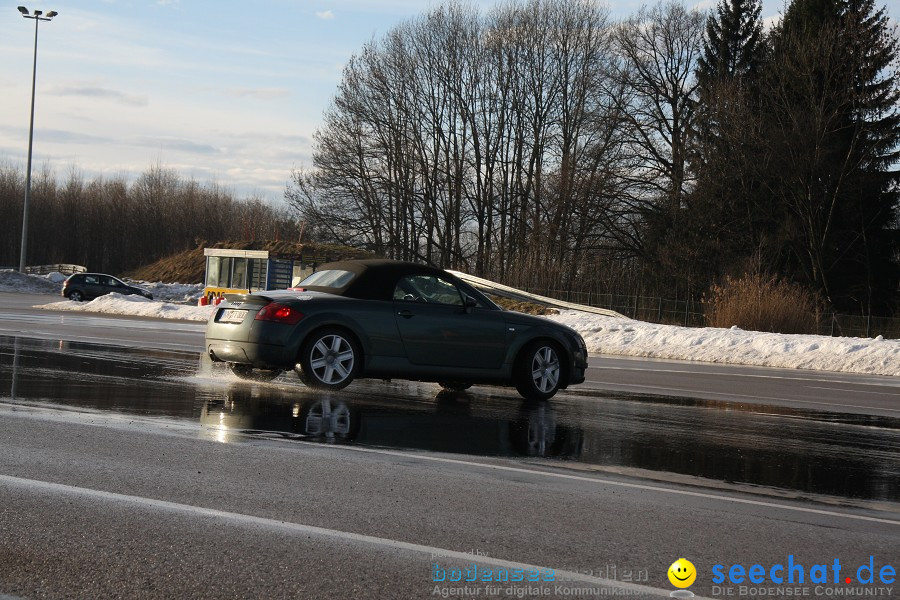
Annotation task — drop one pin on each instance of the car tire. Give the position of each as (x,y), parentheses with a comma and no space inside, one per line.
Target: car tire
(538,371)
(329,359)
(247,372)
(454,386)
(76,295)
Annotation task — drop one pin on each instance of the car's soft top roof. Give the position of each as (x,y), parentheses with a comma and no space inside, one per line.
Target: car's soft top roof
(359,265)
(375,277)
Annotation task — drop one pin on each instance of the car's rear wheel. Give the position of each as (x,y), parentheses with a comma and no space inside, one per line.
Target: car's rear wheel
(329,359)
(76,296)
(538,373)
(454,386)
(247,372)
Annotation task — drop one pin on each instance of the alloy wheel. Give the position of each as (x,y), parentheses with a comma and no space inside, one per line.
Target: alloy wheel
(545,369)
(331,359)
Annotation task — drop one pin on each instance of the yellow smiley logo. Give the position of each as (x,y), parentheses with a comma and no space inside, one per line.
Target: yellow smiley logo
(682,573)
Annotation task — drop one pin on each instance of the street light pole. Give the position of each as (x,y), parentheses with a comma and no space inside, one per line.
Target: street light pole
(37,19)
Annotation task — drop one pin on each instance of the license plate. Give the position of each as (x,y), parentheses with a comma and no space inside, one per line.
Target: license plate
(230,315)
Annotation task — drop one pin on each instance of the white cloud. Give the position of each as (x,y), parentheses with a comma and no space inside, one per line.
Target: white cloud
(325,15)
(95,91)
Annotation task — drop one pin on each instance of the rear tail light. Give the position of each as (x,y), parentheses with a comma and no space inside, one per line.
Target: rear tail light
(279,313)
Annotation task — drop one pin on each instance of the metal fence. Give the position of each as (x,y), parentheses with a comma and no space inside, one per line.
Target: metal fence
(859,326)
(689,313)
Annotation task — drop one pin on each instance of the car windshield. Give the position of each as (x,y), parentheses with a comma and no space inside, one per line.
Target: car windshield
(330,278)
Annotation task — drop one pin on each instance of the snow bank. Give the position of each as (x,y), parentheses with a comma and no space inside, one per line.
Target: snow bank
(173,292)
(117,304)
(13,281)
(609,335)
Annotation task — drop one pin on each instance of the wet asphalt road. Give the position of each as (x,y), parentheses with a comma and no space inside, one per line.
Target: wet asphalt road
(129,472)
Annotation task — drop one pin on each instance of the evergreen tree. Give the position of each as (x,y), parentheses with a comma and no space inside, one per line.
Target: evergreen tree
(808,17)
(727,217)
(832,137)
(734,41)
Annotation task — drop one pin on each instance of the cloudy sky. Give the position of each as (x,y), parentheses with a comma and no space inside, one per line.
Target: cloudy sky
(222,91)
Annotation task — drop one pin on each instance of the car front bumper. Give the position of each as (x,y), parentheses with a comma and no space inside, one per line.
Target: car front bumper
(576,376)
(579,360)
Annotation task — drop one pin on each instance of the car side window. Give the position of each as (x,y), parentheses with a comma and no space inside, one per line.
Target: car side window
(427,288)
(91,279)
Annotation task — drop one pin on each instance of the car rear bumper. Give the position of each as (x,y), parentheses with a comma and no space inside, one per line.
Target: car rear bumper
(261,356)
(262,344)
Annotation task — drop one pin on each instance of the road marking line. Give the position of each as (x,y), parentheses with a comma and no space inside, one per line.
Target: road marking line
(287,526)
(102,340)
(895,394)
(638,486)
(745,397)
(883,380)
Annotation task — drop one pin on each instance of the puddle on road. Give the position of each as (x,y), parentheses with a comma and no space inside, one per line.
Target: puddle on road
(801,451)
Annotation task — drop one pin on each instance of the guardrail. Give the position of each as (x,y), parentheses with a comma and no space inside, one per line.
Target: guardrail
(65,269)
(514,294)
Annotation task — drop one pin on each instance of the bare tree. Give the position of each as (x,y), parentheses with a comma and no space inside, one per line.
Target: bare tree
(659,50)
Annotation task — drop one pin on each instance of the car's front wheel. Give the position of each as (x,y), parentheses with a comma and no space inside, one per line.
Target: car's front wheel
(538,373)
(329,359)
(76,296)
(247,372)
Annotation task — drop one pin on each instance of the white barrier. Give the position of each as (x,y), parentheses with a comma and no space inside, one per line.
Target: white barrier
(514,294)
(65,269)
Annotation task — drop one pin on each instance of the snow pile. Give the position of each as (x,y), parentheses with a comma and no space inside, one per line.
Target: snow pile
(609,335)
(118,304)
(56,277)
(172,292)
(13,281)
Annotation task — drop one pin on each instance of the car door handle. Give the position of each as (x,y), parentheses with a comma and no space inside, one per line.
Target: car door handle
(406,314)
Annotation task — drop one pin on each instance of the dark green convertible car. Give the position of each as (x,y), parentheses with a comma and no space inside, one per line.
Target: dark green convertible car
(392,320)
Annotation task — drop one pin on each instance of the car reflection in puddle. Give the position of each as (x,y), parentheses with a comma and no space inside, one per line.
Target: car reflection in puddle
(672,439)
(449,424)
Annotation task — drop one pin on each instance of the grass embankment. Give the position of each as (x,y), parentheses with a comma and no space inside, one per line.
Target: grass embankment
(189,266)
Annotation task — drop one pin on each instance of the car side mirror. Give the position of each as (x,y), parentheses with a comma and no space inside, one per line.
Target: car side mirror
(470,303)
